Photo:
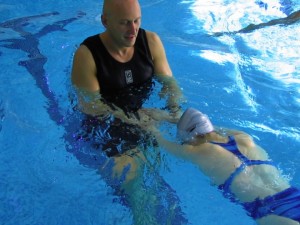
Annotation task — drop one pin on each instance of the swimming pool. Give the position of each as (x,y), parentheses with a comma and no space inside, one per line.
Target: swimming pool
(247,81)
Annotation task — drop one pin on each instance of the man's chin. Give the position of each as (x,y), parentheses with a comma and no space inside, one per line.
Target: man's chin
(129,42)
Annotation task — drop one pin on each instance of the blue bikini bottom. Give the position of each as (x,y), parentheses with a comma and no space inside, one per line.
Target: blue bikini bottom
(285,203)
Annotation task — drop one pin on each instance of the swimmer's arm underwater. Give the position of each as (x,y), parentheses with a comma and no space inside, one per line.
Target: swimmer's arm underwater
(179,150)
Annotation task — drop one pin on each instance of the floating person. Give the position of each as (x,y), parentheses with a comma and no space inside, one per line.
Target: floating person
(290,19)
(240,168)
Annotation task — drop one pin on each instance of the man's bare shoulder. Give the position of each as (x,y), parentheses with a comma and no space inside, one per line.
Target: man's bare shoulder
(82,51)
(152,37)
(84,70)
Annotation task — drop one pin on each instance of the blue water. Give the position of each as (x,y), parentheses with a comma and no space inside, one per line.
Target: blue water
(246,81)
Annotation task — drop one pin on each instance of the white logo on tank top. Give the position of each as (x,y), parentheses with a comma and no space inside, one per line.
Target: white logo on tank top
(128,77)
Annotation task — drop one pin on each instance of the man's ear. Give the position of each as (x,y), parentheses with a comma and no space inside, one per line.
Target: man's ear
(104,20)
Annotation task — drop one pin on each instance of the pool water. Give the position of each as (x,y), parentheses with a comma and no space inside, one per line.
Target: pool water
(246,81)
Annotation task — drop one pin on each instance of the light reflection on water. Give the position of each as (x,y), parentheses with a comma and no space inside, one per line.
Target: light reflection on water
(272,52)
(258,70)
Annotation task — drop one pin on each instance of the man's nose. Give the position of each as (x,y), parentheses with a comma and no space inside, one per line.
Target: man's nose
(132,26)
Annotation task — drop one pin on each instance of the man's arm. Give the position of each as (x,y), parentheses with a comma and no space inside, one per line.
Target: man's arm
(158,115)
(86,83)
(87,86)
(163,72)
(160,61)
(84,71)
(172,92)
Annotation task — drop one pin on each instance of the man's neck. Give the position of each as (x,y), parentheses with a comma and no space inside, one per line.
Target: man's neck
(119,53)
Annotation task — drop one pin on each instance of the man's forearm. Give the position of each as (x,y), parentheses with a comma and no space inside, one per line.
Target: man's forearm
(171,91)
(91,103)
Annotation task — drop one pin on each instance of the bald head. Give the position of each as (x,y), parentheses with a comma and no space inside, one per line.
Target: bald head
(122,21)
(114,6)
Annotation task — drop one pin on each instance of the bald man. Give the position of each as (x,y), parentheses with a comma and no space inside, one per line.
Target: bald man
(123,56)
(113,73)
(117,67)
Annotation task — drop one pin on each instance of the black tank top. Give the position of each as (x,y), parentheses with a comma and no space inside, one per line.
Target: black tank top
(128,84)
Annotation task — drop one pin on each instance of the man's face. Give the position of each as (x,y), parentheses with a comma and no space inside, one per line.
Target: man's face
(123,22)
